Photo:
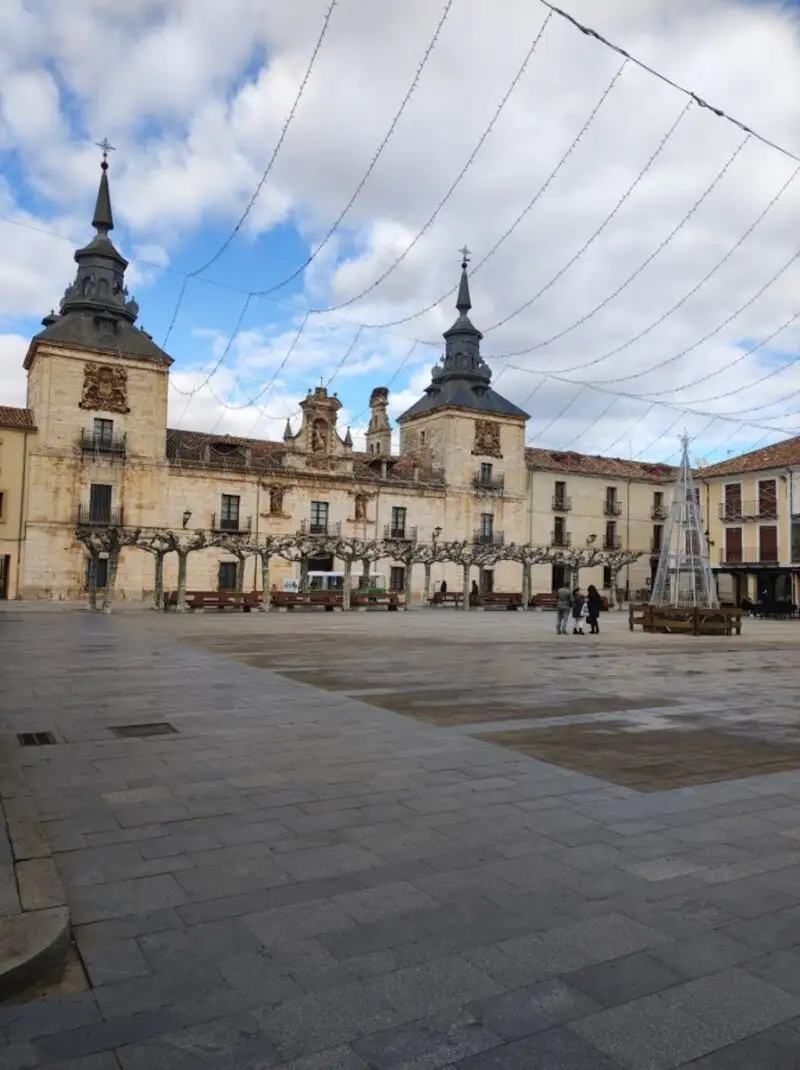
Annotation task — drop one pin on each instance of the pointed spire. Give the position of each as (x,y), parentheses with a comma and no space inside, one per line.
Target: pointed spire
(287,432)
(348,440)
(103,220)
(463,302)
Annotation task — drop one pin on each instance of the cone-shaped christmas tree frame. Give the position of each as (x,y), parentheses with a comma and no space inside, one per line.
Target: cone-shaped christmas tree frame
(684,578)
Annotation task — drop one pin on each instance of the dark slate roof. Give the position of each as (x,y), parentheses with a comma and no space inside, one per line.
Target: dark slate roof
(784,454)
(569,462)
(463,394)
(83,331)
(16,418)
(463,378)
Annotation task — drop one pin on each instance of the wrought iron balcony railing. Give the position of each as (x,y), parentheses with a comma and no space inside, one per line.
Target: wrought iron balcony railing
(612,542)
(732,511)
(102,445)
(659,512)
(481,481)
(489,538)
(561,538)
(100,516)
(612,508)
(400,534)
(561,504)
(322,527)
(748,556)
(233,525)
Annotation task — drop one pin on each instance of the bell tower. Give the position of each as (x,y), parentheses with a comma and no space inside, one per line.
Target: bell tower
(379,432)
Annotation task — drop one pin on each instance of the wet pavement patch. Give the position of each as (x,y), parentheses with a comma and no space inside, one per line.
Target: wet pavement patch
(650,760)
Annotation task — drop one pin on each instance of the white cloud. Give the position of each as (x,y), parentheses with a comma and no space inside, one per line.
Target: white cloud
(196,103)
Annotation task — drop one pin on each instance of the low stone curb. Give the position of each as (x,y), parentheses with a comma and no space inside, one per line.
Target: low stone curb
(34,938)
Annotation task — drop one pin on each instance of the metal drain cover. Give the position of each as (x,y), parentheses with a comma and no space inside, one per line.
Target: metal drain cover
(36,739)
(140,731)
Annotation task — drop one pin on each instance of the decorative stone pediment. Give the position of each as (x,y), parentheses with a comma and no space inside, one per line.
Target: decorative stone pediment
(105,388)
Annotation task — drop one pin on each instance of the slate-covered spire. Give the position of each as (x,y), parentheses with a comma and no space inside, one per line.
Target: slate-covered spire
(464,303)
(99,285)
(462,379)
(462,355)
(103,219)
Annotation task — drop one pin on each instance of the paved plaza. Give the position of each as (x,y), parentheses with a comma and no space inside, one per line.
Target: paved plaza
(428,840)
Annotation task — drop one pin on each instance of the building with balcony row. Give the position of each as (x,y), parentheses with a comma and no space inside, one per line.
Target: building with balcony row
(93,446)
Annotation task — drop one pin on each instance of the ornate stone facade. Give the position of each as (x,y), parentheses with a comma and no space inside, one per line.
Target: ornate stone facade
(487,439)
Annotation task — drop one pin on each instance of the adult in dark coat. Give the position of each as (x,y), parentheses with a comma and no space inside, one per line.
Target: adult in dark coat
(595,604)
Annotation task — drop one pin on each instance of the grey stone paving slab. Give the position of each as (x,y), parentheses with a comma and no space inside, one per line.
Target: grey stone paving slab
(625,979)
(344,880)
(234,1043)
(556,1048)
(683,1023)
(428,1043)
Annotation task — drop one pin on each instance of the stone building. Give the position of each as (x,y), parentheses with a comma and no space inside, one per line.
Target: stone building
(753,506)
(93,444)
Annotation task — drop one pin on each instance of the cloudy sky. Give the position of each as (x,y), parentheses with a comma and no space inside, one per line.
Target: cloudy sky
(644,281)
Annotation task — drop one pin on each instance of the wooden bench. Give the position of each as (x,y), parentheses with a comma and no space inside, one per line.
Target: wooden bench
(501,600)
(243,600)
(288,600)
(390,600)
(454,598)
(675,620)
(544,601)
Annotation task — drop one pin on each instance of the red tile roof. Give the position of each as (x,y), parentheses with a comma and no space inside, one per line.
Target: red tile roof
(589,465)
(784,454)
(11,417)
(229,453)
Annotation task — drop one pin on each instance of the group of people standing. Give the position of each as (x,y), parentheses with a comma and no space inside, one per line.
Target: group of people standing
(574,604)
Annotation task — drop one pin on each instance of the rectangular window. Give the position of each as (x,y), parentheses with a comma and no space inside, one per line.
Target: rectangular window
(768,544)
(227,576)
(102,433)
(606,576)
(397,578)
(558,530)
(486,473)
(229,512)
(658,534)
(611,534)
(319,518)
(795,541)
(398,522)
(487,581)
(100,503)
(100,567)
(2,505)
(733,502)
(487,525)
(768,498)
(733,546)
(658,499)
(612,506)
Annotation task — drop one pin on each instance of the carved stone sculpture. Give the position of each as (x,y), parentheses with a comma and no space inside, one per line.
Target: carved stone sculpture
(487,439)
(105,387)
(276,501)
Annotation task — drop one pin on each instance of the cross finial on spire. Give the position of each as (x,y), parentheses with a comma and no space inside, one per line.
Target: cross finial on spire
(465,255)
(107,147)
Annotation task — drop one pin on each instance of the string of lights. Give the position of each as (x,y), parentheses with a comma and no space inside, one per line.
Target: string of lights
(373,162)
(634,274)
(718,112)
(612,215)
(218,364)
(540,435)
(454,185)
(705,338)
(265,175)
(266,391)
(732,364)
(540,193)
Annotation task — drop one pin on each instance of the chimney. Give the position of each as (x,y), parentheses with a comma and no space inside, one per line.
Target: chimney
(384,469)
